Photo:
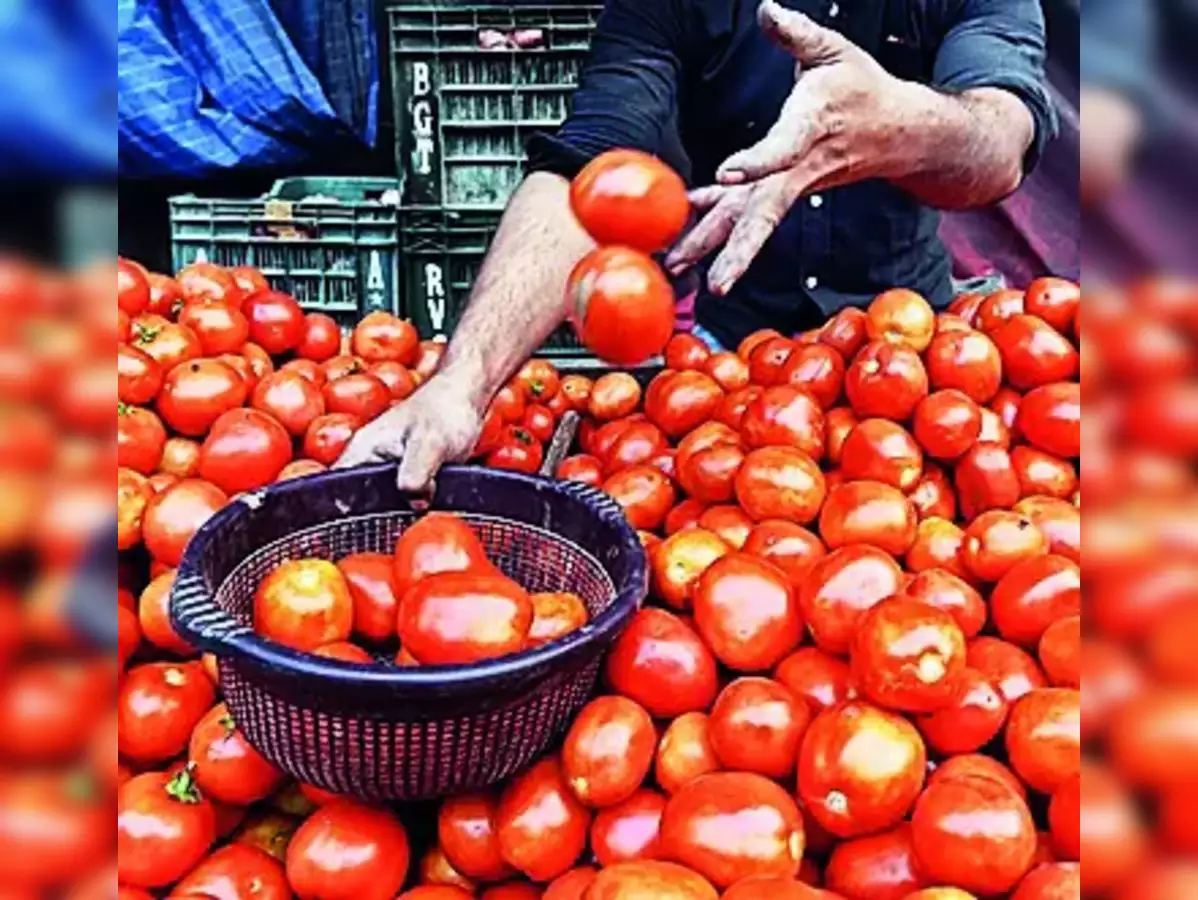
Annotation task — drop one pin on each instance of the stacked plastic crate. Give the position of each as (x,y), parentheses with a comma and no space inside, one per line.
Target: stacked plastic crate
(471,82)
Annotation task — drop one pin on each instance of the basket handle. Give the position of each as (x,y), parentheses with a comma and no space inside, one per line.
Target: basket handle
(560,443)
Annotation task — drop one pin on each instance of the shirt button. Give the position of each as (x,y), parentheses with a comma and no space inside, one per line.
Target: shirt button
(833,10)
(812,282)
(816,201)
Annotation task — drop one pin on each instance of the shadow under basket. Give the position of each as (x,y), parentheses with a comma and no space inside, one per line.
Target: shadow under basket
(388,733)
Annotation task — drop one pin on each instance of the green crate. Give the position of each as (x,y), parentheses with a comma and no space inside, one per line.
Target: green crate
(442,253)
(329,242)
(462,113)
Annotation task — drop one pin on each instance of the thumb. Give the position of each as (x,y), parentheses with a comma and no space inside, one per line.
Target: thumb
(802,38)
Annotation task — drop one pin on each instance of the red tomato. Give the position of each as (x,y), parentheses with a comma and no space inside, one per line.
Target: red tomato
(174,515)
(614,396)
(328,436)
(304,603)
(542,829)
(845,332)
(396,377)
(685,401)
(630,830)
(970,721)
(153,614)
(997,541)
(359,394)
(1033,352)
(435,544)
(132,287)
(1044,737)
(881,450)
(220,328)
(685,352)
(868,512)
(840,588)
(838,424)
(624,444)
(1060,651)
(249,279)
(371,581)
(785,416)
(684,752)
(880,865)
(158,706)
(780,483)
(1008,668)
(729,825)
(196,394)
(730,372)
(949,593)
(650,880)
(757,725)
(246,449)
(204,282)
(348,851)
(339,366)
(679,560)
(685,514)
(986,480)
(582,468)
(345,652)
(539,422)
(291,399)
(820,679)
(321,339)
(967,361)
(300,468)
(140,439)
(467,833)
(555,615)
(997,308)
(539,381)
(164,827)
(1041,474)
(52,707)
(1034,594)
(817,369)
(166,296)
(645,494)
(236,870)
(384,336)
(1050,418)
(276,321)
(632,199)
(900,316)
(768,360)
(747,613)
(518,451)
(947,423)
(621,304)
(139,378)
(886,380)
(729,523)
(226,767)
(457,618)
(708,474)
(1055,300)
(843,795)
(608,751)
(662,664)
(165,342)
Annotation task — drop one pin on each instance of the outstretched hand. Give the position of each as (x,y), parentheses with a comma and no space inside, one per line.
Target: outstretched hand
(843,121)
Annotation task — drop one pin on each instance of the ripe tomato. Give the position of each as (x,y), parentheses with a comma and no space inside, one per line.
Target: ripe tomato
(249,279)
(662,664)
(986,480)
(370,578)
(757,725)
(339,366)
(908,656)
(880,865)
(684,752)
(1033,352)
(996,541)
(153,613)
(52,708)
(841,587)
(1113,838)
(621,304)
(708,474)
(947,423)
(1055,300)
(747,613)
(768,359)
(780,483)
(132,287)
(886,381)
(291,399)
(970,721)
(467,834)
(303,604)
(880,450)
(220,328)
(608,751)
(685,514)
(1041,474)
(140,439)
(790,547)
(1050,418)
(625,443)
(1060,652)
(685,352)
(645,494)
(300,468)
(785,416)
(307,369)
(276,321)
(729,825)
(632,199)
(1008,668)
(164,827)
(166,296)
(328,436)
(197,393)
(582,468)
(345,652)
(997,308)
(900,316)
(685,401)
(359,394)
(1044,737)
(1051,881)
(629,831)
(577,391)
(541,827)
(949,593)
(539,422)
(348,851)
(174,515)
(396,377)
(967,361)
(226,767)
(435,544)
(439,880)
(139,377)
(518,451)
(966,306)
(868,512)
(677,563)
(845,332)
(650,880)
(246,449)
(539,381)
(158,706)
(555,615)
(818,678)
(1033,594)
(203,282)
(384,336)
(728,370)
(236,870)
(817,369)
(730,523)
(321,339)
(456,618)
(973,832)
(133,492)
(850,799)
(614,396)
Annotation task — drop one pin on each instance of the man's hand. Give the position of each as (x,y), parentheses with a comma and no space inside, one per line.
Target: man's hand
(1108,142)
(847,119)
(440,423)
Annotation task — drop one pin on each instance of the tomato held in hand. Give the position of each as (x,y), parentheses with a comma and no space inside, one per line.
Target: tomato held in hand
(304,603)
(851,790)
(747,613)
(632,199)
(174,515)
(276,321)
(294,401)
(226,767)
(729,825)
(348,851)
(246,449)
(541,826)
(164,827)
(661,663)
(621,304)
(608,751)
(457,618)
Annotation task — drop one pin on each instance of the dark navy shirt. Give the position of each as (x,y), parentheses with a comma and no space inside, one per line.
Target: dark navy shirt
(693,81)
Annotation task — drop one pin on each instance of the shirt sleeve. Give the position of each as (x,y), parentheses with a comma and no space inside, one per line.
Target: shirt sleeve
(1000,44)
(628,91)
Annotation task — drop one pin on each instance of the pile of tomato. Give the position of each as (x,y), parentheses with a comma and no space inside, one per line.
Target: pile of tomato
(856,674)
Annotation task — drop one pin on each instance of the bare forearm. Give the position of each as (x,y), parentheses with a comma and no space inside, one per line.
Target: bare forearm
(519,298)
(956,151)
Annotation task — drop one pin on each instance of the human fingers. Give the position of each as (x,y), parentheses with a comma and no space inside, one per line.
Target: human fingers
(709,233)
(380,441)
(771,199)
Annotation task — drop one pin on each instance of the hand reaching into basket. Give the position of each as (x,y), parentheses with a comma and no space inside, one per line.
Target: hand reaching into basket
(440,423)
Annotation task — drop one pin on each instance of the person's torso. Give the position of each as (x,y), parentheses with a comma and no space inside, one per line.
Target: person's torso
(837,247)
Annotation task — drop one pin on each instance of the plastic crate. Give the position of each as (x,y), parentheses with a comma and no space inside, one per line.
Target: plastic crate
(329,242)
(462,113)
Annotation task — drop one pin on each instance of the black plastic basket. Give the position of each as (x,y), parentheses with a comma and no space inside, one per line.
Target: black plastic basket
(388,733)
